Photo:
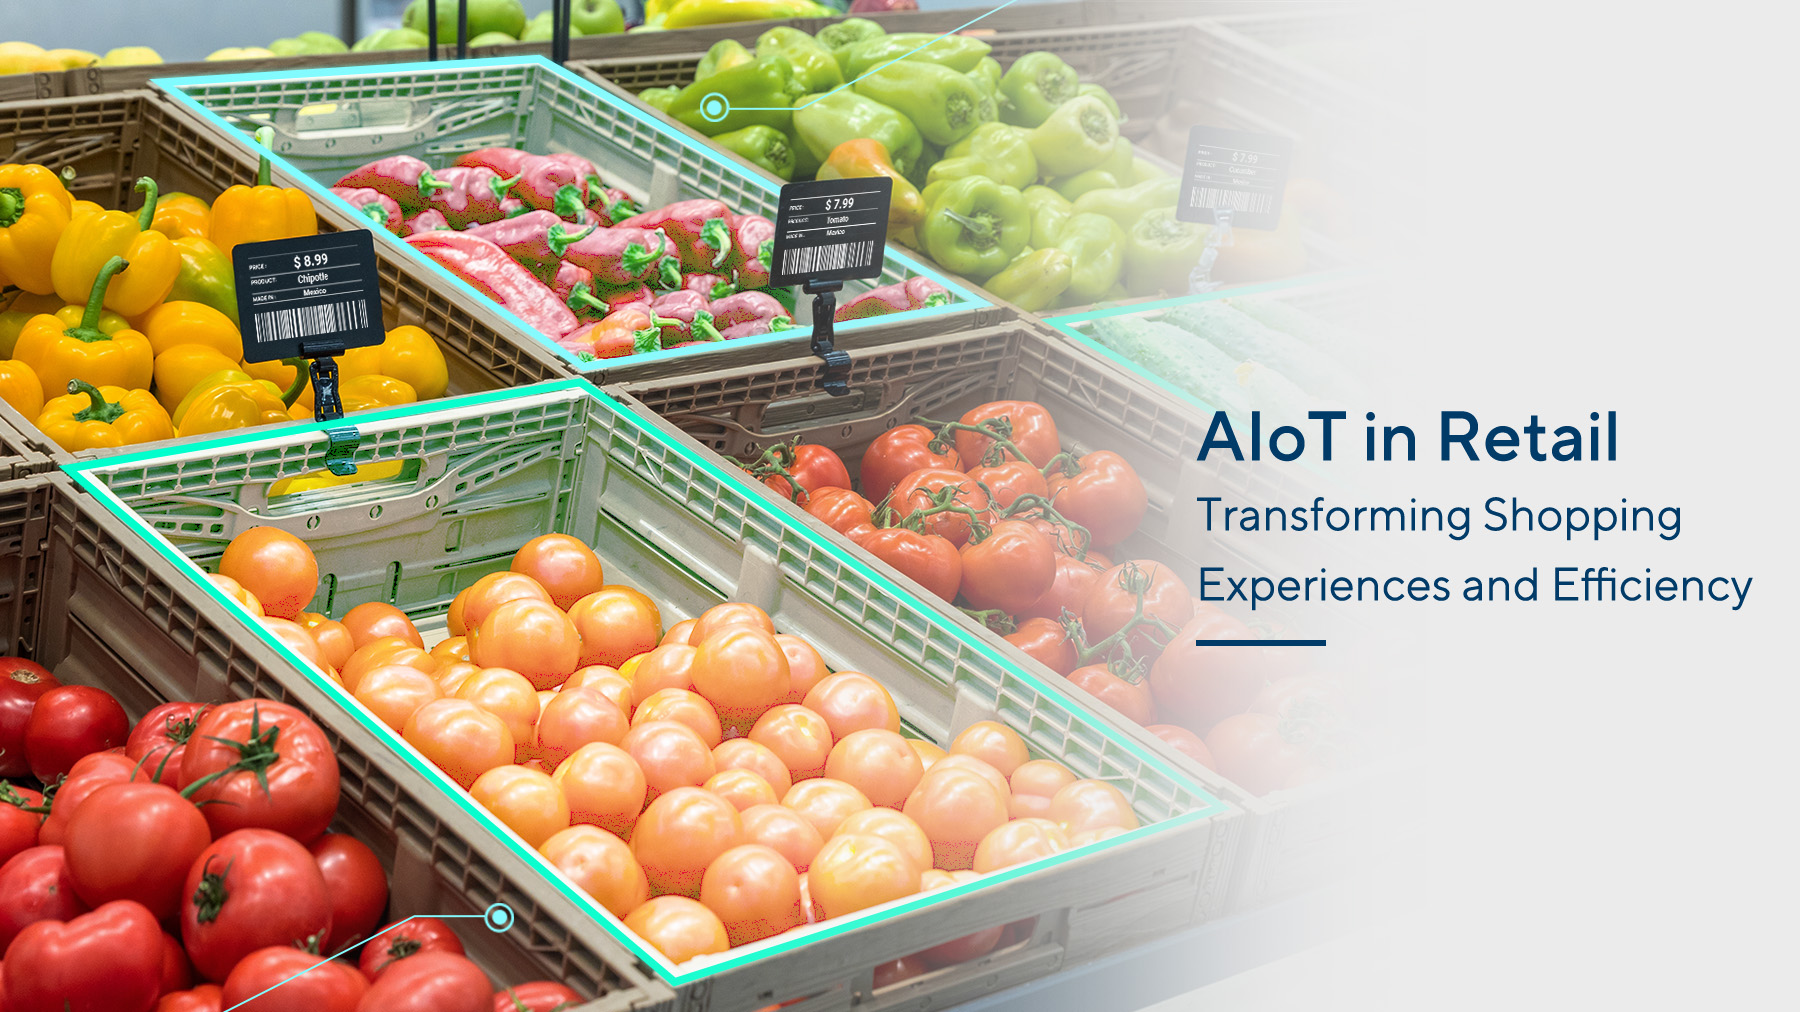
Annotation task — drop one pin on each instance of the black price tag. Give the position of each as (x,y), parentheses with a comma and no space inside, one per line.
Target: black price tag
(1232,170)
(315,295)
(831,230)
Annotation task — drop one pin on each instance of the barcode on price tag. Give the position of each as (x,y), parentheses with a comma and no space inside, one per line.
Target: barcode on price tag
(1236,171)
(312,295)
(831,230)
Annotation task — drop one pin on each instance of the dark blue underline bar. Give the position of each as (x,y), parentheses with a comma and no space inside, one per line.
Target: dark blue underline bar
(1259,643)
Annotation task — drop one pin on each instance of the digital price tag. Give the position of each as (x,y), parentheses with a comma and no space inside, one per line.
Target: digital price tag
(310,296)
(831,230)
(1236,171)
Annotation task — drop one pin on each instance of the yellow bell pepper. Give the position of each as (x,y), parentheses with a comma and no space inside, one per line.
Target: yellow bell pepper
(182,216)
(867,158)
(90,417)
(360,393)
(407,353)
(81,207)
(312,481)
(19,387)
(93,239)
(34,212)
(181,368)
(174,323)
(229,400)
(27,58)
(61,347)
(261,212)
(18,312)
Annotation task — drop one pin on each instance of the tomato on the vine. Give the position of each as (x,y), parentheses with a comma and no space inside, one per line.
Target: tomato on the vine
(35,886)
(251,889)
(68,722)
(1010,568)
(1045,641)
(1129,698)
(281,978)
(1197,685)
(954,500)
(22,684)
(18,827)
(928,560)
(404,939)
(261,764)
(1259,752)
(159,741)
(1113,601)
(1027,424)
(897,453)
(1184,741)
(841,509)
(109,960)
(796,471)
(135,841)
(536,996)
(1102,493)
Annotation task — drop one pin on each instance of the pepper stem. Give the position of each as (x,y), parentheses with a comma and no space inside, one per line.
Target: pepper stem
(264,176)
(981,232)
(375,212)
(99,409)
(567,203)
(89,329)
(302,376)
(428,181)
(559,239)
(583,298)
(146,214)
(503,187)
(12,205)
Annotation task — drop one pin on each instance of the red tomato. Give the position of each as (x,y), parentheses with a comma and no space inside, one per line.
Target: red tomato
(1026,423)
(135,841)
(430,982)
(357,885)
(1198,686)
(897,453)
(109,960)
(22,682)
(1129,698)
(265,765)
(926,488)
(1006,482)
(563,565)
(1259,752)
(904,968)
(1102,493)
(251,889)
(275,566)
(404,939)
(1045,641)
(1068,591)
(960,950)
(797,471)
(177,972)
(18,827)
(205,998)
(1010,568)
(536,996)
(1184,741)
(159,741)
(285,979)
(91,772)
(69,722)
(1114,600)
(928,560)
(35,886)
(840,509)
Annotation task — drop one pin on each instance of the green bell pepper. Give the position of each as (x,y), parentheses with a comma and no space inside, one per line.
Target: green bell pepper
(823,122)
(1096,244)
(659,99)
(762,145)
(761,91)
(814,66)
(1034,279)
(1142,171)
(724,54)
(1161,251)
(205,276)
(942,103)
(1105,98)
(1078,136)
(1035,86)
(994,150)
(1118,163)
(1083,182)
(974,226)
(841,35)
(986,76)
(1048,211)
(1125,206)
(806,164)
(308,44)
(958,52)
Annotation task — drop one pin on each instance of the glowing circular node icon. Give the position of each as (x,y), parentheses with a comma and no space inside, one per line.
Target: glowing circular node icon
(498,917)
(714,107)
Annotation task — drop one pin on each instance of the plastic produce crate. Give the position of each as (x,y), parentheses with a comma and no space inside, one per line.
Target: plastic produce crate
(486,473)
(31,87)
(439,110)
(108,141)
(86,597)
(1291,843)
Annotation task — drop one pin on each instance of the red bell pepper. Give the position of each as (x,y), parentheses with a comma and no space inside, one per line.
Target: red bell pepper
(544,182)
(474,195)
(567,278)
(899,297)
(529,239)
(748,314)
(629,331)
(685,318)
(752,250)
(380,208)
(700,230)
(586,299)
(610,204)
(487,268)
(618,256)
(424,221)
(102,961)
(405,179)
(713,286)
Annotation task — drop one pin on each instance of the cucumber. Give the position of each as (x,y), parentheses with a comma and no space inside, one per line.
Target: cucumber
(1177,356)
(1245,339)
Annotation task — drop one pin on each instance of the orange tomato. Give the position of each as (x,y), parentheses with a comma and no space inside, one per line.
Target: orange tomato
(755,892)
(562,565)
(530,637)
(1042,777)
(601,865)
(236,591)
(679,633)
(955,808)
(526,800)
(373,620)
(741,670)
(1019,841)
(853,873)
(507,695)
(680,834)
(331,636)
(670,754)
(805,667)
(477,601)
(929,752)
(743,788)
(615,623)
(682,707)
(381,652)
(993,743)
(785,831)
(724,616)
(460,738)
(296,637)
(669,666)
(604,680)
(974,765)
(577,717)
(800,738)
(1091,804)
(747,754)
(877,762)
(678,927)
(451,676)
(454,648)
(275,566)
(1088,836)
(825,803)
(894,827)
(604,787)
(850,701)
(393,692)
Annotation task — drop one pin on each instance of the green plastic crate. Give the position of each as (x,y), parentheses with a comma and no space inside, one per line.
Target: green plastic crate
(483,474)
(436,111)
